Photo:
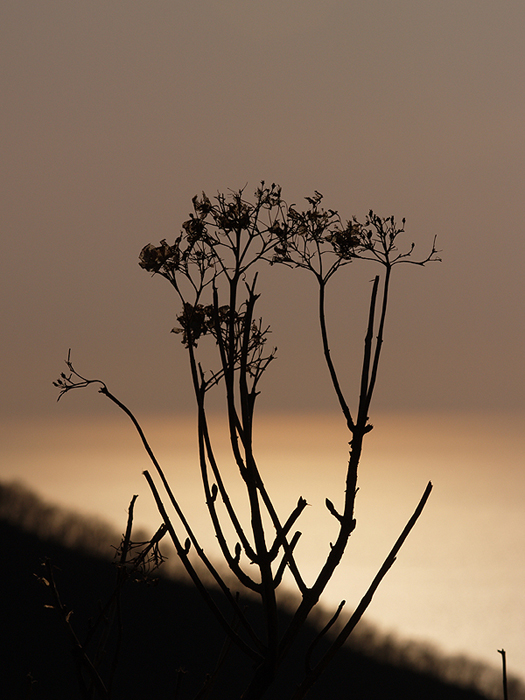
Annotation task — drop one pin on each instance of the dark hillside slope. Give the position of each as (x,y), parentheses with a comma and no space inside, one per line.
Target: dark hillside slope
(166,627)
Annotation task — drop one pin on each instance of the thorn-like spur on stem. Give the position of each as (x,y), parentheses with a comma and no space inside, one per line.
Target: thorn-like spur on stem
(331,508)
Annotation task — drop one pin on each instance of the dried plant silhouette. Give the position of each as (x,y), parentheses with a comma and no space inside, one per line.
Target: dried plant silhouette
(214,267)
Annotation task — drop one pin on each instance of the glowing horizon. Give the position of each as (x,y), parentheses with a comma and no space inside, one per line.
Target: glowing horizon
(460,556)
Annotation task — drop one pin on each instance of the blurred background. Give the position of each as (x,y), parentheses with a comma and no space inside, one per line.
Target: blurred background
(115,114)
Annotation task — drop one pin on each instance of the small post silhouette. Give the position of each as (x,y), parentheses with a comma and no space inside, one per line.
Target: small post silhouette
(504,662)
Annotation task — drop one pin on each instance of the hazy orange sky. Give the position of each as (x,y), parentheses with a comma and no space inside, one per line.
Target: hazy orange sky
(114,114)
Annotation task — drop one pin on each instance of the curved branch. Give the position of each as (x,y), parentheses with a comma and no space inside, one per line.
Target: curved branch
(326,351)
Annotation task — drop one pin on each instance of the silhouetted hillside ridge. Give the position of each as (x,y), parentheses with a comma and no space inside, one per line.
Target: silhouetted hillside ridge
(22,507)
(166,627)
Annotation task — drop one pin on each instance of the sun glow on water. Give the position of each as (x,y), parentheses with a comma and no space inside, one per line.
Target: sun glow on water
(459,579)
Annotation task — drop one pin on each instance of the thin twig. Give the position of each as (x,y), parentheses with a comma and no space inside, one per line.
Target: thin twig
(504,664)
(65,614)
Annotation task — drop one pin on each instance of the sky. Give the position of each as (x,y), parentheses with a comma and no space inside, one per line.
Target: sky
(115,114)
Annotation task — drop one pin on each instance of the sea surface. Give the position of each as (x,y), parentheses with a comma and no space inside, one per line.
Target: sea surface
(459,581)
